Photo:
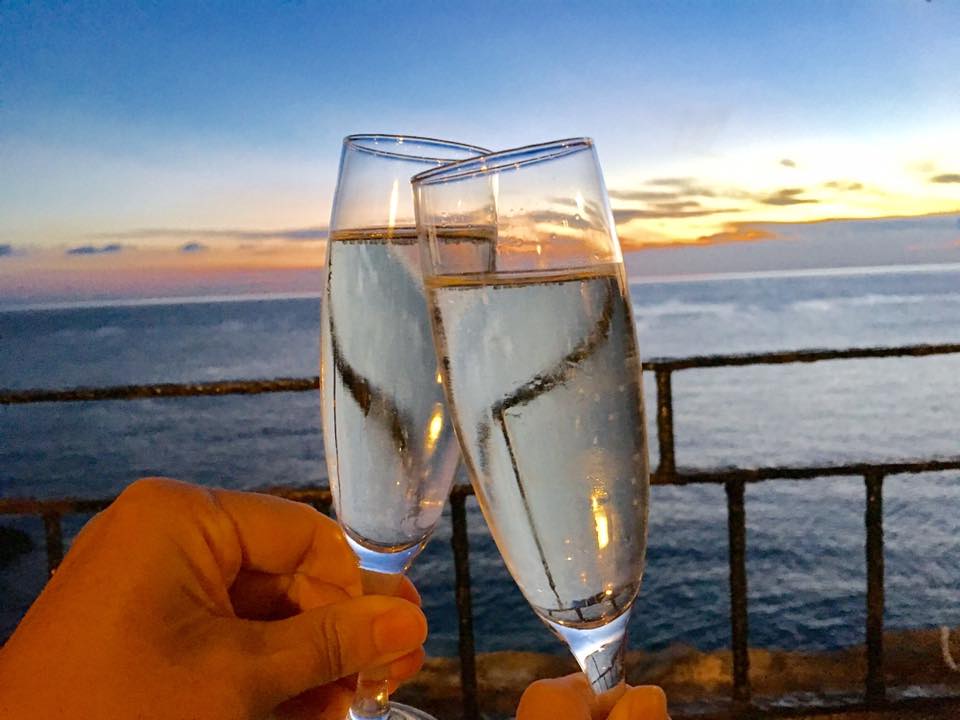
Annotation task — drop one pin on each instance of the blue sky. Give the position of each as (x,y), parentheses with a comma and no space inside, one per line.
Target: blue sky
(116,117)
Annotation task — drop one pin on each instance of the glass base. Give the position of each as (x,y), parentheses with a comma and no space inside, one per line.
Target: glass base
(399,711)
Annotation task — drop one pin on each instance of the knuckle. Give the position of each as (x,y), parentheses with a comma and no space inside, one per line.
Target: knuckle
(145,490)
(151,497)
(331,647)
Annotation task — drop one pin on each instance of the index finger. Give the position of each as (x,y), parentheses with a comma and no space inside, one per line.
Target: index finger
(283,537)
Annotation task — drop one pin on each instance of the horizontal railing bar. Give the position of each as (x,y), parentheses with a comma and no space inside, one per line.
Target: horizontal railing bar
(761,474)
(89,506)
(321,494)
(255,387)
(162,390)
(58,506)
(799,356)
(309,494)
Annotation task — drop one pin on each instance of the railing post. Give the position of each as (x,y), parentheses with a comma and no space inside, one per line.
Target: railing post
(875,684)
(737,529)
(668,463)
(54,540)
(461,563)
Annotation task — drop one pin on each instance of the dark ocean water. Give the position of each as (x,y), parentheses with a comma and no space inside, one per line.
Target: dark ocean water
(805,539)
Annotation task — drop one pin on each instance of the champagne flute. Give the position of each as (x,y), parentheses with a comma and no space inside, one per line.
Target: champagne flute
(390,448)
(535,336)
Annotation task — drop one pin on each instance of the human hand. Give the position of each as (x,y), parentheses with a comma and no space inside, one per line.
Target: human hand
(570,698)
(182,602)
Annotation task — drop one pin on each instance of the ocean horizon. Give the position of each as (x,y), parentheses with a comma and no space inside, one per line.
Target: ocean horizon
(13,304)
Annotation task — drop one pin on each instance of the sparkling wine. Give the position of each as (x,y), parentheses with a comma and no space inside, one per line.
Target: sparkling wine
(544,380)
(391,449)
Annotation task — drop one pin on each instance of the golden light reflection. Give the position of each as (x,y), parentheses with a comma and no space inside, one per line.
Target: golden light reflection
(439,378)
(600,518)
(581,205)
(435,427)
(394,199)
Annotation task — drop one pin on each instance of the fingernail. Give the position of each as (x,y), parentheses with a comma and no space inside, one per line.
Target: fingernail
(402,628)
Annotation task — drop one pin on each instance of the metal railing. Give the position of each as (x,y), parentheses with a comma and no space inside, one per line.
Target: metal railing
(734,481)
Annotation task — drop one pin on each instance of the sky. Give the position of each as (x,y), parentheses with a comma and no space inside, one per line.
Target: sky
(157,149)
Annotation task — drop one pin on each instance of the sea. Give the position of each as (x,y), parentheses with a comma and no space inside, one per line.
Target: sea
(805,539)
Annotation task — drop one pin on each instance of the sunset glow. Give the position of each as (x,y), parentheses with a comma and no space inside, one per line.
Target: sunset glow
(175,161)
(713,200)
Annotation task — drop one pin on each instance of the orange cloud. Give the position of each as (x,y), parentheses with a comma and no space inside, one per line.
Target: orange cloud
(738,234)
(733,233)
(263,268)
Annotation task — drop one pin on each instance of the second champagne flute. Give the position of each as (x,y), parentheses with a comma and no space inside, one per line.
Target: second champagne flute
(391,453)
(535,334)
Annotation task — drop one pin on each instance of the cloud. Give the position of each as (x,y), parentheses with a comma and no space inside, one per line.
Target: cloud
(946,178)
(641,195)
(787,162)
(666,211)
(677,205)
(292,234)
(95,250)
(731,233)
(843,185)
(6,249)
(193,247)
(786,196)
(683,186)
(670,181)
(738,233)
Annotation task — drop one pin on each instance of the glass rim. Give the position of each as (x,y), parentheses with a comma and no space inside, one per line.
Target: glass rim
(492,162)
(357,142)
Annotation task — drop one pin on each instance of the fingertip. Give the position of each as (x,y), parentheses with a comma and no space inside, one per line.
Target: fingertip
(574,681)
(541,699)
(645,701)
(407,666)
(603,703)
(408,591)
(401,627)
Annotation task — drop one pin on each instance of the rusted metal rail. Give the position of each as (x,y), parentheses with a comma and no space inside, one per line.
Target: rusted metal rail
(734,480)
(162,390)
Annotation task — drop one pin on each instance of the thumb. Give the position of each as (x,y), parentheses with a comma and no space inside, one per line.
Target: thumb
(322,645)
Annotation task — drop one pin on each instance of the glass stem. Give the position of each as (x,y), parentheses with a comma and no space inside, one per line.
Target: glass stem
(599,651)
(372,701)
(604,666)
